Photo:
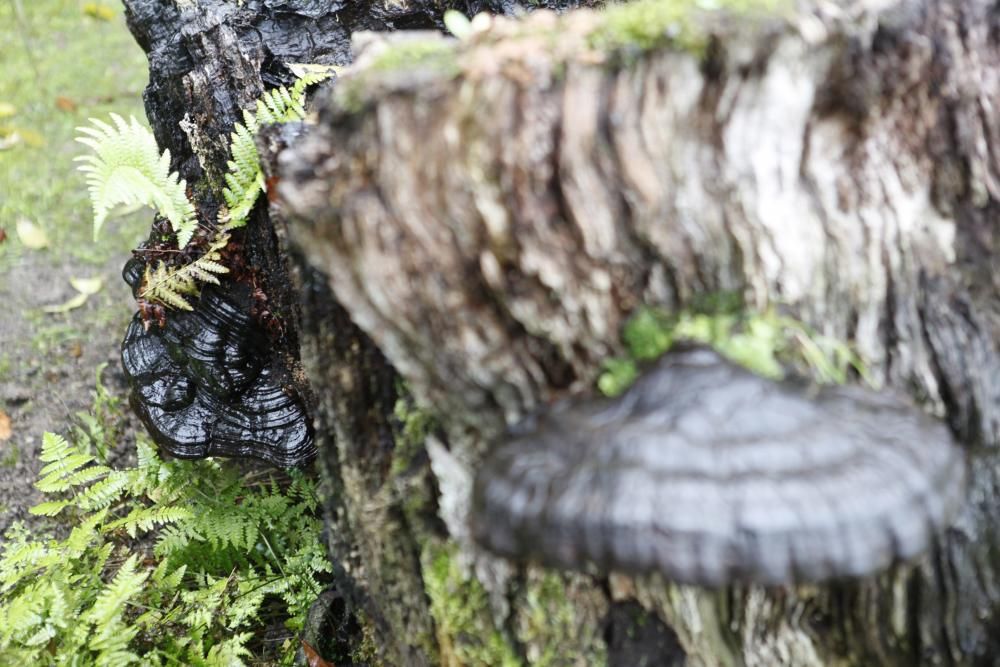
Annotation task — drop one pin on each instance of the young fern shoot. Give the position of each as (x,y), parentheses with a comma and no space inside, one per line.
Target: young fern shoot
(128,168)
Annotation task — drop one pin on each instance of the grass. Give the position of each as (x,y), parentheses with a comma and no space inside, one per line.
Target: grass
(64,61)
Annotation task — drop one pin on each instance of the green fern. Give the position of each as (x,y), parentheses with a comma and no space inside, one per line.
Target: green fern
(145,519)
(221,550)
(245,179)
(110,603)
(171,285)
(129,169)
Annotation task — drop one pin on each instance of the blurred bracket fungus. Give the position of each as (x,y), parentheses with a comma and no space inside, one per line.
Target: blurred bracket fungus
(712,475)
(208,383)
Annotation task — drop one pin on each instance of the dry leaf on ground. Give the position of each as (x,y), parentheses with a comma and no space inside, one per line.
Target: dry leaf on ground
(5,429)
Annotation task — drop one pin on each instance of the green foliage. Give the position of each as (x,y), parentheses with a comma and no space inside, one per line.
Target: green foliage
(96,428)
(245,180)
(646,24)
(170,285)
(461,613)
(129,169)
(415,424)
(552,626)
(763,342)
(430,53)
(219,558)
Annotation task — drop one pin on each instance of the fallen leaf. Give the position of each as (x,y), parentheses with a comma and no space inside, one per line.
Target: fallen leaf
(9,139)
(11,136)
(64,103)
(87,286)
(76,350)
(31,235)
(75,302)
(5,430)
(7,110)
(313,659)
(98,11)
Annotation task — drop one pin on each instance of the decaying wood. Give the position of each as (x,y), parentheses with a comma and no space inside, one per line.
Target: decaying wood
(490,226)
(209,60)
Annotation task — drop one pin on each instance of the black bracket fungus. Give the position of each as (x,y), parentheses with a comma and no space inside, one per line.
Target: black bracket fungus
(208,383)
(711,475)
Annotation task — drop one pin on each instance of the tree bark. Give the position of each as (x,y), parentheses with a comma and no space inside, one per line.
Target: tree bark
(490,221)
(469,236)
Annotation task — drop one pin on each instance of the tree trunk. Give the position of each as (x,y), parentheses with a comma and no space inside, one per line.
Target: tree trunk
(472,228)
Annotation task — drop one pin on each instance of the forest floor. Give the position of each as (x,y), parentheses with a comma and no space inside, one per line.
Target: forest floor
(64,61)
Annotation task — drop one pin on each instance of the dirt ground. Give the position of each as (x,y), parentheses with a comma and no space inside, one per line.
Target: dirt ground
(64,62)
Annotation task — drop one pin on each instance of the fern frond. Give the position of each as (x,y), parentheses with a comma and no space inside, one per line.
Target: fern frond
(309,79)
(128,168)
(245,180)
(145,519)
(102,494)
(64,460)
(174,538)
(171,581)
(230,652)
(171,285)
(83,535)
(49,507)
(110,603)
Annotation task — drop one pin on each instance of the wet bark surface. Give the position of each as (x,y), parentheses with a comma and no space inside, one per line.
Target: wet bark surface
(208,62)
(469,245)
(490,226)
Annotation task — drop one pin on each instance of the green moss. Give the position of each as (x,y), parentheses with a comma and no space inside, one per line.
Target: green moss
(414,426)
(763,342)
(366,652)
(549,626)
(12,456)
(436,54)
(466,635)
(647,24)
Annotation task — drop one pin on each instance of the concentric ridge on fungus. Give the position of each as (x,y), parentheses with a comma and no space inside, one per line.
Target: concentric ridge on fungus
(710,474)
(206,385)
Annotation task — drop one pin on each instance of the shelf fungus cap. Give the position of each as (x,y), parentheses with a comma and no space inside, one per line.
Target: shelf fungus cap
(209,384)
(711,475)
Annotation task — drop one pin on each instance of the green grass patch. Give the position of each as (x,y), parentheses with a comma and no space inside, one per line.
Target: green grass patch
(62,65)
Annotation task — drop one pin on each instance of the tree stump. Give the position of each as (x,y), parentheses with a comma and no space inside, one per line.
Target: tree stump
(470,226)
